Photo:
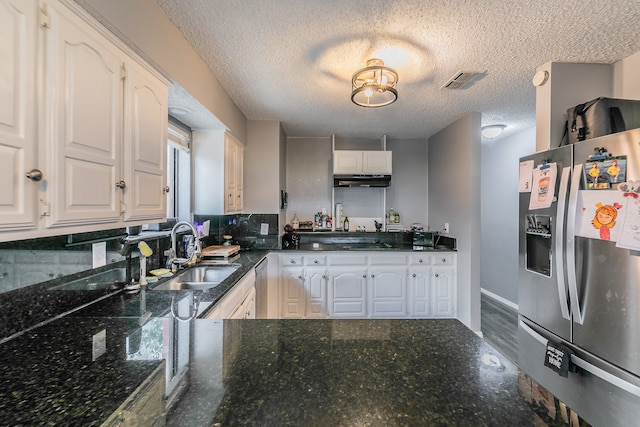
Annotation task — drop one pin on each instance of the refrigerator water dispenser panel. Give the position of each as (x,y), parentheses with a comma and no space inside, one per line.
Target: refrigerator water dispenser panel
(538,247)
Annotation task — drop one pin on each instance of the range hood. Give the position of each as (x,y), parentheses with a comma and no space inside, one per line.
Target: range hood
(375,181)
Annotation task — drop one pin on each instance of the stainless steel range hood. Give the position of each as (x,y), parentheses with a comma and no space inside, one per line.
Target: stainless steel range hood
(374,181)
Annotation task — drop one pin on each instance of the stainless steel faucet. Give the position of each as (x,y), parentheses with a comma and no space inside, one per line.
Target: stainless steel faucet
(193,254)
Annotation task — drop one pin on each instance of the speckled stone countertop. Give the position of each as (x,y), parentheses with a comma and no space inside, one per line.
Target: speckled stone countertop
(346,373)
(49,375)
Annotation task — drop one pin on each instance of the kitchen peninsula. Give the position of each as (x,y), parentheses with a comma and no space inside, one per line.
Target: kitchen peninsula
(258,372)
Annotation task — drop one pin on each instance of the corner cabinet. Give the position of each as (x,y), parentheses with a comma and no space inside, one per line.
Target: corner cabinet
(233,175)
(101,121)
(366,285)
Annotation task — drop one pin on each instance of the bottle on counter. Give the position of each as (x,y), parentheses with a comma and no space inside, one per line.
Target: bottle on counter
(392,216)
(295,222)
(345,227)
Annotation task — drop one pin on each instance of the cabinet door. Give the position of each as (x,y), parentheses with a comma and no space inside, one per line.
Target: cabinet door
(145,146)
(249,304)
(420,292)
(83,121)
(292,299)
(233,170)
(443,288)
(18,30)
(388,291)
(316,292)
(347,292)
(376,162)
(347,162)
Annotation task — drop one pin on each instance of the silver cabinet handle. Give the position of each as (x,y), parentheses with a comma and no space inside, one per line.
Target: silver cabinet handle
(121,184)
(34,175)
(166,189)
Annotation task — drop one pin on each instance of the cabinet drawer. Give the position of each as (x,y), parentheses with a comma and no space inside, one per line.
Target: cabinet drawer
(420,259)
(388,259)
(288,260)
(445,258)
(348,259)
(315,260)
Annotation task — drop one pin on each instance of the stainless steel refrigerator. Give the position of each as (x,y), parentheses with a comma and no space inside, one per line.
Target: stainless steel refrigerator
(578,287)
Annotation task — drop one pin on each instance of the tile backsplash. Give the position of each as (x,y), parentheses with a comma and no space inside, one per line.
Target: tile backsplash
(28,262)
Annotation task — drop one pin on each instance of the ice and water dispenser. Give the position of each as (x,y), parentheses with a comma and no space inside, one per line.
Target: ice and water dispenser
(538,244)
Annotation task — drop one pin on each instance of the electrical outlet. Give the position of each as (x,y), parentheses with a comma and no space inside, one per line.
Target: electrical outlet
(446,227)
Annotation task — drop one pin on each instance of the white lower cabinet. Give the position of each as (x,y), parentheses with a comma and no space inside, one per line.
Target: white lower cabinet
(240,302)
(362,285)
(388,291)
(347,292)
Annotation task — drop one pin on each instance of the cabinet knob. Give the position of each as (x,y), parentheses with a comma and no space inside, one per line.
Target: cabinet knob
(437,275)
(34,175)
(293,261)
(364,276)
(414,274)
(166,189)
(121,184)
(444,260)
(315,261)
(420,260)
(373,275)
(324,276)
(300,277)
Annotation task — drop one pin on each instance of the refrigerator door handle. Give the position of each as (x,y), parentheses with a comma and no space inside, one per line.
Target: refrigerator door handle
(578,315)
(559,250)
(600,373)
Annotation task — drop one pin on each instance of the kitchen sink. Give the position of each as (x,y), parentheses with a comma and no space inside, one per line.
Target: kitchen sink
(198,278)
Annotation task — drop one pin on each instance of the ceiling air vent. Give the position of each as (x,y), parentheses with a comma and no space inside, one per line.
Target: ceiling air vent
(461,79)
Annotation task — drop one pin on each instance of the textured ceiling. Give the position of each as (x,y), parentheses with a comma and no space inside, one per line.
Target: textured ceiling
(292,60)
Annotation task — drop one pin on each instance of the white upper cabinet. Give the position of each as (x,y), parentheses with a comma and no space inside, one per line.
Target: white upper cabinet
(145,145)
(78,106)
(233,175)
(347,162)
(84,110)
(18,31)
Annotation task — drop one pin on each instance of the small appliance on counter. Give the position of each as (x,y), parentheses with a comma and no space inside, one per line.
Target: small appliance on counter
(423,240)
(290,239)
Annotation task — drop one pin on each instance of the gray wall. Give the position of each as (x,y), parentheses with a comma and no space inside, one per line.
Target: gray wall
(454,197)
(262,164)
(309,180)
(499,218)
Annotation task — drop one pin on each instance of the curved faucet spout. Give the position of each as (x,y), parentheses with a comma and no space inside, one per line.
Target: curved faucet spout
(172,253)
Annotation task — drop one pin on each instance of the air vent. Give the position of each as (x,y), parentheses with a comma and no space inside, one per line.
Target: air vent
(461,79)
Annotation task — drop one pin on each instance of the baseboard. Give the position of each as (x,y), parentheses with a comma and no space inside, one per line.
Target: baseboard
(499,299)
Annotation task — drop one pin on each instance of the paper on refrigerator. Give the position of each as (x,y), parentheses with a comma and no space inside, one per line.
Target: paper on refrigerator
(543,186)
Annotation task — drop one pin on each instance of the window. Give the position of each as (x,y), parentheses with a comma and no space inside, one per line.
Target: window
(179,170)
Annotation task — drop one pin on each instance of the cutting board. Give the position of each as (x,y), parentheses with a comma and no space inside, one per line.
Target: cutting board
(220,250)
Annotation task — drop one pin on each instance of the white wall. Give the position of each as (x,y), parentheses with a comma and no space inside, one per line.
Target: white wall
(499,213)
(454,197)
(625,77)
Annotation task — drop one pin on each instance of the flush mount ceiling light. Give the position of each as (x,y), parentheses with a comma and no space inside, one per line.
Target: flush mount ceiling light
(492,131)
(374,85)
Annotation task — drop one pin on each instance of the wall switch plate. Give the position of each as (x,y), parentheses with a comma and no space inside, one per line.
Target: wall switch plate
(99,344)
(99,254)
(446,227)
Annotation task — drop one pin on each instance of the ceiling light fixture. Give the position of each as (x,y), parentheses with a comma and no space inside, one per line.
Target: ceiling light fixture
(374,85)
(492,131)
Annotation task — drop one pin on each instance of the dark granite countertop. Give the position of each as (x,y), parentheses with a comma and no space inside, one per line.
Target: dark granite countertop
(348,372)
(259,372)
(49,375)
